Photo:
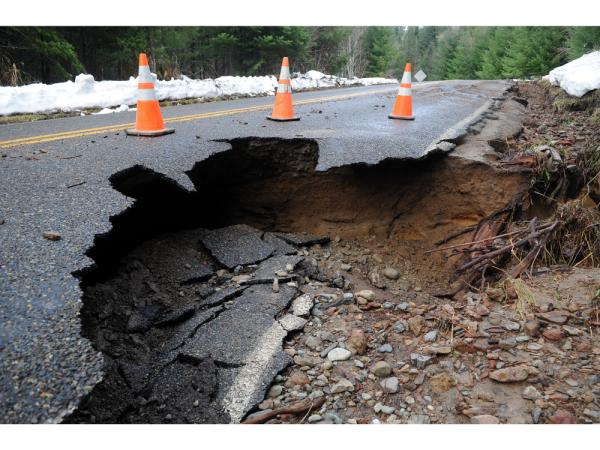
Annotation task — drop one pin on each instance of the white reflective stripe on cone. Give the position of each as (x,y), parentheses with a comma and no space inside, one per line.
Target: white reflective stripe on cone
(284,88)
(285,73)
(145,76)
(146,94)
(406,78)
(404,91)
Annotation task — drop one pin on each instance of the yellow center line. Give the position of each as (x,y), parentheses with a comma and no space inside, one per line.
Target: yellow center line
(106,129)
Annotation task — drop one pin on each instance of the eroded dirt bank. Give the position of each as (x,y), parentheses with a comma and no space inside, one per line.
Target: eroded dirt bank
(194,331)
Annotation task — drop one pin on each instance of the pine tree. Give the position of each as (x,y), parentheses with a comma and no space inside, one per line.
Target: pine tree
(380,49)
(582,40)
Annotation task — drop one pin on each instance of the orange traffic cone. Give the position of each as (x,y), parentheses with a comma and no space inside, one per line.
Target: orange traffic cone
(149,121)
(403,106)
(283,110)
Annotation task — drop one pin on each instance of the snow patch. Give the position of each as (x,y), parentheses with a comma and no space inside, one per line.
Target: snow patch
(86,92)
(579,76)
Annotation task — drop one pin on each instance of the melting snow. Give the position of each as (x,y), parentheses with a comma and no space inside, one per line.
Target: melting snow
(578,77)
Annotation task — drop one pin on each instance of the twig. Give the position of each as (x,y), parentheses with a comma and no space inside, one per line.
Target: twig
(458,325)
(307,412)
(76,184)
(71,157)
(296,410)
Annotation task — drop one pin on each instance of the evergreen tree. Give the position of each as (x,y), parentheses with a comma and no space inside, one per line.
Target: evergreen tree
(380,49)
(534,52)
(582,40)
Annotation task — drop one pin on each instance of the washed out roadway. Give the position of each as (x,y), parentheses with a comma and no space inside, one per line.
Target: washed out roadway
(51,180)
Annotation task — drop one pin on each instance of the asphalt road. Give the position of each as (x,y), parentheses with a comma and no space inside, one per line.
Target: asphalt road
(55,177)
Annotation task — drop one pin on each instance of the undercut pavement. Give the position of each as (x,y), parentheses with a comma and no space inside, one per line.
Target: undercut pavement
(87,189)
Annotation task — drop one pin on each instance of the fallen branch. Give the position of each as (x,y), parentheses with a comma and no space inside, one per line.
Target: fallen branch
(296,410)
(452,236)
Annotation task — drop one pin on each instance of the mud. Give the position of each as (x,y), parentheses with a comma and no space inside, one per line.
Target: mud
(155,284)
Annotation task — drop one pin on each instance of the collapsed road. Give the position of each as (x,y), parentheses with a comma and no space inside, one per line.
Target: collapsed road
(75,210)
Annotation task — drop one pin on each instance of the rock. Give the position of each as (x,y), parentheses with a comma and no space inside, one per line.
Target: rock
(290,351)
(482,345)
(532,328)
(314,418)
(416,324)
(51,235)
(442,382)
(267,404)
(388,305)
(463,347)
(563,417)
(583,347)
(331,416)
(303,360)
(557,316)
(572,330)
(258,414)
(430,337)
(315,394)
(346,267)
(398,327)
(298,379)
(402,306)
(507,344)
(420,379)
(361,301)
(485,420)
(421,361)
(519,420)
(553,334)
(437,350)
(531,393)
(381,369)
(339,354)
(510,374)
(367,295)
(387,409)
(390,385)
(511,292)
(275,391)
(495,295)
(535,415)
(419,419)
(495,319)
(275,285)
(392,274)
(342,385)
(533,346)
(357,342)
(385,348)
(593,379)
(327,365)
(447,309)
(313,342)
(510,325)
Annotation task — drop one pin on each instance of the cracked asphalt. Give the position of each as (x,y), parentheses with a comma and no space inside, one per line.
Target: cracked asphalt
(51,181)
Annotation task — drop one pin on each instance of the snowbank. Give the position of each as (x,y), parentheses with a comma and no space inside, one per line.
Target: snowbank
(578,77)
(85,92)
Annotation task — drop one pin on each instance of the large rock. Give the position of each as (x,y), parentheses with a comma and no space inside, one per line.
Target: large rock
(357,342)
(381,369)
(392,274)
(303,361)
(342,386)
(416,324)
(463,347)
(510,374)
(419,419)
(367,295)
(442,382)
(390,385)
(558,316)
(339,354)
(485,420)
(298,379)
